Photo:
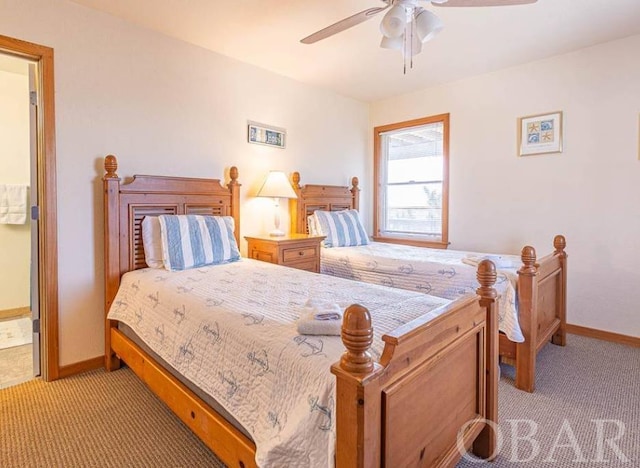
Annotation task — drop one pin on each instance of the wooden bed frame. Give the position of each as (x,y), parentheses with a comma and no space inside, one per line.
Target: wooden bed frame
(542,283)
(433,392)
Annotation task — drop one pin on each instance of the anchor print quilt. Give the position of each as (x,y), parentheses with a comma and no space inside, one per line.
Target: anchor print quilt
(441,273)
(230,329)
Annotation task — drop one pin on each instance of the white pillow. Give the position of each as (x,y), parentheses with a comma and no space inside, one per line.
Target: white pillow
(192,241)
(341,228)
(152,242)
(312,227)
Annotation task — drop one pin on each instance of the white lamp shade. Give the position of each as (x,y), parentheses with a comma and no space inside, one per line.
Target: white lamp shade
(277,185)
(394,22)
(417,46)
(428,25)
(397,43)
(392,43)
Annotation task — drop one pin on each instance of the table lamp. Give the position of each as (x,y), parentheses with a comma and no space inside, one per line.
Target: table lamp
(277,186)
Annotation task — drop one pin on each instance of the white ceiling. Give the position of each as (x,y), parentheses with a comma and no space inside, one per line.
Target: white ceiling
(266,33)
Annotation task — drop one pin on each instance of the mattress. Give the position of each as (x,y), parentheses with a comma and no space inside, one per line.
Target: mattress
(441,273)
(230,329)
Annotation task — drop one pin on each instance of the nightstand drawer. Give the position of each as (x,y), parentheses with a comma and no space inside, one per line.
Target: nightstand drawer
(292,255)
(308,265)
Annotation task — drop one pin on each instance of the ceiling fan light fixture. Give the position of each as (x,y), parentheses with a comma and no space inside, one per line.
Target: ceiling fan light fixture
(428,25)
(394,22)
(394,43)
(415,47)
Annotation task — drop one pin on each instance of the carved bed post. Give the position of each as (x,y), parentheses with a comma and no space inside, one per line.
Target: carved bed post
(486,444)
(296,207)
(560,337)
(357,404)
(528,309)
(111,184)
(234,188)
(355,193)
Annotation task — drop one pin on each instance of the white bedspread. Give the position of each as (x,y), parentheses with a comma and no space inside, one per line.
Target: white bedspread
(231,330)
(441,273)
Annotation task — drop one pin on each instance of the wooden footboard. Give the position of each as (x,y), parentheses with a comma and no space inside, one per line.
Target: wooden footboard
(542,308)
(433,394)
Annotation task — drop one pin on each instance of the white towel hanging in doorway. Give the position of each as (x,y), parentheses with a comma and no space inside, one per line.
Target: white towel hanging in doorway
(13,203)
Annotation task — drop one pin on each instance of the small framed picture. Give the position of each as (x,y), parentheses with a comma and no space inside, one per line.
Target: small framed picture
(540,134)
(266,135)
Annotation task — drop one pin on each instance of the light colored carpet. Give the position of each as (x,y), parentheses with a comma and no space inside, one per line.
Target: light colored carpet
(582,383)
(15,332)
(97,419)
(113,420)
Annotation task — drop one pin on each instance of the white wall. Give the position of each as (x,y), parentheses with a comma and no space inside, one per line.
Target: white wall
(590,192)
(165,107)
(15,239)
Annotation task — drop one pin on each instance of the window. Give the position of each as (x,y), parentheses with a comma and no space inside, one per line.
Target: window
(412,182)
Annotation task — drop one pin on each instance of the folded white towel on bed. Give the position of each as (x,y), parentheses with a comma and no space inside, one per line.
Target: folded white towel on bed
(323,310)
(13,204)
(307,325)
(498,260)
(320,317)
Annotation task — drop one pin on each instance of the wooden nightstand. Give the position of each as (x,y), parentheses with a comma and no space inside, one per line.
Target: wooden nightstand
(293,250)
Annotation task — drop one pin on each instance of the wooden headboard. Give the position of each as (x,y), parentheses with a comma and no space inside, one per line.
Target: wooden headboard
(320,197)
(126,204)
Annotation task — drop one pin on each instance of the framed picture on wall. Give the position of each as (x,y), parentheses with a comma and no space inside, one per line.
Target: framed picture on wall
(266,135)
(540,134)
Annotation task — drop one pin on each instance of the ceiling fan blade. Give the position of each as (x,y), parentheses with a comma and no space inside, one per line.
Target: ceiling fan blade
(481,3)
(343,24)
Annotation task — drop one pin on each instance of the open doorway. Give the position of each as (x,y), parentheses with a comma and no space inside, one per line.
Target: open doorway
(39,196)
(19,345)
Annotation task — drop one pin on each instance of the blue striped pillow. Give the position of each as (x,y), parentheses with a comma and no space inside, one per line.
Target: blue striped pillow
(342,228)
(191,241)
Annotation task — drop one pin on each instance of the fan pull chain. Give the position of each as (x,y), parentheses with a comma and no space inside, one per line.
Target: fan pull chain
(408,42)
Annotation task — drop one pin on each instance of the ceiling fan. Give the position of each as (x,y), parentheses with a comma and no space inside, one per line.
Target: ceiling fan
(407,25)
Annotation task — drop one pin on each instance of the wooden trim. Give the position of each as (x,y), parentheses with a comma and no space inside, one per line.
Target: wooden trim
(81,367)
(604,335)
(377,186)
(18,312)
(47,200)
(414,242)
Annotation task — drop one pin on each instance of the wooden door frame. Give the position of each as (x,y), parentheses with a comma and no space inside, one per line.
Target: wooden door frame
(47,223)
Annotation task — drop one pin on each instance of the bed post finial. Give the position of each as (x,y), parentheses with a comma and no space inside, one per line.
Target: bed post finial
(485,446)
(559,242)
(295,180)
(357,336)
(233,175)
(110,166)
(355,193)
(234,190)
(560,337)
(529,260)
(487,278)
